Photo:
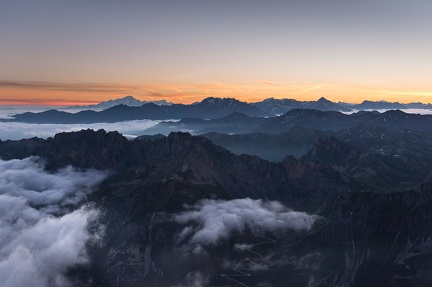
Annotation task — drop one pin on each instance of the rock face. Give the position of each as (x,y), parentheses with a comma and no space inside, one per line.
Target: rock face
(363,237)
(380,159)
(389,235)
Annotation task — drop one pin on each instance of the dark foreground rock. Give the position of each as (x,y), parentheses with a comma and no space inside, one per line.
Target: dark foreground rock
(361,237)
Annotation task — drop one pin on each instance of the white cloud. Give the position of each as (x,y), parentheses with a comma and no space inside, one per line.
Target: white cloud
(27,179)
(212,221)
(39,236)
(17,130)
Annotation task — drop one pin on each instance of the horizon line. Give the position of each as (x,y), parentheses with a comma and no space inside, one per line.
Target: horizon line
(69,103)
(42,93)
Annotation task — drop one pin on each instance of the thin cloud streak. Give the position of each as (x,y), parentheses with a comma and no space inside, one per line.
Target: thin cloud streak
(313,88)
(75,87)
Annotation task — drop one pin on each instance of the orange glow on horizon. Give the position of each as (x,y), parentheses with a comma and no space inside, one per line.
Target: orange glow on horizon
(44,103)
(45,94)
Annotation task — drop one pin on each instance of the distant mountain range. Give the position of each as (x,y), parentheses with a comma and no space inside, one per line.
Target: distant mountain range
(278,106)
(209,108)
(383,105)
(281,106)
(127,101)
(310,119)
(129,108)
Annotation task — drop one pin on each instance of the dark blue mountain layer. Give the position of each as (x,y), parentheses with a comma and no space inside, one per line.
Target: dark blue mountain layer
(209,108)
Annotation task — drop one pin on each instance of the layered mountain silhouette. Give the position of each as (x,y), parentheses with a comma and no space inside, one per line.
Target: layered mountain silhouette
(209,108)
(281,106)
(334,121)
(238,123)
(384,105)
(129,108)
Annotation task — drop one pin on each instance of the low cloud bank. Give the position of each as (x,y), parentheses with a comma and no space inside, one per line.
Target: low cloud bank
(17,130)
(43,231)
(212,221)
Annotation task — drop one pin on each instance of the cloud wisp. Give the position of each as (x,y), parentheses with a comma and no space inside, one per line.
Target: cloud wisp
(43,229)
(210,222)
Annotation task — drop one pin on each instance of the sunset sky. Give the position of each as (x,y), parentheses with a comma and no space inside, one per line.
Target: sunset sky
(86,51)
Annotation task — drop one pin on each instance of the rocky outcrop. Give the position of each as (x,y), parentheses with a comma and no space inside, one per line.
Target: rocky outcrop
(86,149)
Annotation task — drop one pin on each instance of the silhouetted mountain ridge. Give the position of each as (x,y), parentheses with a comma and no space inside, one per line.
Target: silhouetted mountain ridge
(209,108)
(281,106)
(127,101)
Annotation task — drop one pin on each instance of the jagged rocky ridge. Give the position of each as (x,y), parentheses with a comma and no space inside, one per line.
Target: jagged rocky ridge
(195,158)
(364,237)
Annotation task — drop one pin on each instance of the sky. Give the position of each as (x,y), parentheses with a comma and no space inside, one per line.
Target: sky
(58,52)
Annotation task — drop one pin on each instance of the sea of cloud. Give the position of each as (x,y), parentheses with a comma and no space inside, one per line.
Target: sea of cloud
(210,222)
(17,130)
(43,222)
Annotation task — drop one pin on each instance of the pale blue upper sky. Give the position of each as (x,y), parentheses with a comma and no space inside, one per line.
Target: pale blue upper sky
(378,43)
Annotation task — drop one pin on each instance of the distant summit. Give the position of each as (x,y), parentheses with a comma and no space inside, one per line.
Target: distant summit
(127,101)
(219,102)
(325,105)
(281,106)
(365,105)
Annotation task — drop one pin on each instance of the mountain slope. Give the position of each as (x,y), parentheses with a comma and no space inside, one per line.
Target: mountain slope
(378,158)
(274,147)
(335,121)
(236,123)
